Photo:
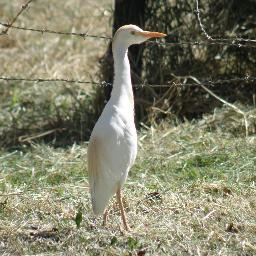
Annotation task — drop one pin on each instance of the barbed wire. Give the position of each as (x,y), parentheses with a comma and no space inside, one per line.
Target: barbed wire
(23,8)
(143,84)
(49,31)
(43,80)
(202,43)
(211,38)
(200,22)
(232,41)
(237,42)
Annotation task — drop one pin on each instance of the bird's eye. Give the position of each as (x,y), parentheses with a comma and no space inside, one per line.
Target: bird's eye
(133,32)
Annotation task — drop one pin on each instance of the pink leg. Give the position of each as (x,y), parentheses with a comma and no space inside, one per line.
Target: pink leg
(120,203)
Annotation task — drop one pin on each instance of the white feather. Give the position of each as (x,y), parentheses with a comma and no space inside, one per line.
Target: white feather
(113,144)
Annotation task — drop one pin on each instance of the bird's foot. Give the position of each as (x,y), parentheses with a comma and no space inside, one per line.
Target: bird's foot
(124,229)
(105,218)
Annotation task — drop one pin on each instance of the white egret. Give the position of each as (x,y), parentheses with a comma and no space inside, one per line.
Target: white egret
(113,143)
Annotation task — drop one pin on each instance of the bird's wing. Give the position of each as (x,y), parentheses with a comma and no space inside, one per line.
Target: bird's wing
(101,181)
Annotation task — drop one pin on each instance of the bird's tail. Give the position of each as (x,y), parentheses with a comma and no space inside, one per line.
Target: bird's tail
(100,196)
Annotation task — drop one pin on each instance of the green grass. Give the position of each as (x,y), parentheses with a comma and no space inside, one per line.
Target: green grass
(191,192)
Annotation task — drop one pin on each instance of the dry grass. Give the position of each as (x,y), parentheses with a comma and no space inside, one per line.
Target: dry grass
(31,109)
(32,54)
(191,192)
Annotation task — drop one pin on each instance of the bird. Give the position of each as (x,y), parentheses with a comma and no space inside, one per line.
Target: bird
(112,147)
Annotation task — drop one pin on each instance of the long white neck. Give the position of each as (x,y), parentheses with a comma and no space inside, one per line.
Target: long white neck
(122,86)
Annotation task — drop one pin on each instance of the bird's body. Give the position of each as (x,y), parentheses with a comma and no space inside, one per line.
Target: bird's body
(113,143)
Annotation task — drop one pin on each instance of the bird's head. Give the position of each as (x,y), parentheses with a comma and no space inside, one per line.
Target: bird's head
(130,34)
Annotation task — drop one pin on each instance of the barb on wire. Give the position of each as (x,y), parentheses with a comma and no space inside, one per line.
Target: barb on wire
(233,40)
(199,43)
(200,22)
(43,80)
(49,31)
(23,8)
(204,82)
(104,83)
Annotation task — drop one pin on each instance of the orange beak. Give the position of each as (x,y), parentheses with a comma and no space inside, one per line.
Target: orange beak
(149,34)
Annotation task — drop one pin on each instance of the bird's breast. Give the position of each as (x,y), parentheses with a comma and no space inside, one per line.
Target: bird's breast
(117,123)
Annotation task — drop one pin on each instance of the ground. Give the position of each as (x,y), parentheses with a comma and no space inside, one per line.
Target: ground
(192,188)
(191,192)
